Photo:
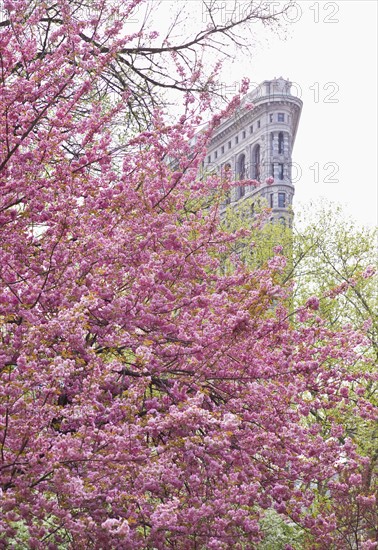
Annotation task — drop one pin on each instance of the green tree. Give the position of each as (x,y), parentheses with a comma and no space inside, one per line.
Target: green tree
(336,260)
(332,261)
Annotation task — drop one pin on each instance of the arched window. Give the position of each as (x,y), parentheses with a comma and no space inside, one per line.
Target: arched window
(240,174)
(241,167)
(226,172)
(272,142)
(256,162)
(280,143)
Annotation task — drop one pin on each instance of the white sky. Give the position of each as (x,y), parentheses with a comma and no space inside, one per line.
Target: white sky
(336,61)
(329,50)
(329,61)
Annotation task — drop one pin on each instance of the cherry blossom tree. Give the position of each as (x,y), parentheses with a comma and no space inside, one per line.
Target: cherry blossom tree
(147,400)
(138,58)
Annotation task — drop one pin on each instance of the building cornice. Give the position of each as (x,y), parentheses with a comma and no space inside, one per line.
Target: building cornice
(243,117)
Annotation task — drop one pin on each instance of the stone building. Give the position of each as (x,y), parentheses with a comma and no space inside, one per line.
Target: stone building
(257,144)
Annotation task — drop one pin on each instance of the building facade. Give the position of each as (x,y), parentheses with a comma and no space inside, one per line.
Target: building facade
(257,144)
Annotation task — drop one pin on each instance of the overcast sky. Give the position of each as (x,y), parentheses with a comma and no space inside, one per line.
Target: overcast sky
(329,52)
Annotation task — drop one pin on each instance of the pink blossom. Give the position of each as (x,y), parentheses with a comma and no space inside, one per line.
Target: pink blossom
(313,303)
(355,479)
(369,272)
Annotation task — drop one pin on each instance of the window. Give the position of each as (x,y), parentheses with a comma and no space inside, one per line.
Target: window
(216,154)
(251,129)
(272,170)
(244,134)
(222,149)
(209,158)
(226,170)
(258,124)
(281,117)
(271,198)
(236,140)
(271,117)
(241,191)
(241,167)
(281,172)
(229,144)
(256,162)
(281,200)
(280,143)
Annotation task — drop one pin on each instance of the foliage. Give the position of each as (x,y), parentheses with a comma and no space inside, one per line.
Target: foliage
(257,246)
(279,534)
(337,261)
